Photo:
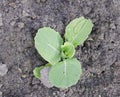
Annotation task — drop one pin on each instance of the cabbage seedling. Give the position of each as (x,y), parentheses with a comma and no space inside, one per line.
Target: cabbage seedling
(65,70)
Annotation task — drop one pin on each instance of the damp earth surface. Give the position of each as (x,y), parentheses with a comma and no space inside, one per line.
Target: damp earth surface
(99,55)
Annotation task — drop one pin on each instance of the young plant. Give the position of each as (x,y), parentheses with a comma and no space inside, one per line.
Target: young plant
(65,70)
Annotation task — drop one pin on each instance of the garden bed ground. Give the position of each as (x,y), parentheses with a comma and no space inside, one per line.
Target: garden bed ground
(100,57)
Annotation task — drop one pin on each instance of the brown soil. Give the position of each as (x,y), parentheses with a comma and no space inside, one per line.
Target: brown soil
(100,57)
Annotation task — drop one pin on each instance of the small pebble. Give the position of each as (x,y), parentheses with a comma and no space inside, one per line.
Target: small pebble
(12,4)
(24,1)
(38,1)
(21,25)
(112,25)
(1,22)
(45,77)
(54,93)
(3,69)
(99,96)
(25,14)
(1,85)
(101,36)
(24,76)
(12,23)
(0,94)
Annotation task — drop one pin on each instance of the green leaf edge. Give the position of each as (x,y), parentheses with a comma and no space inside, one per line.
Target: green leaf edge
(36,71)
(59,37)
(72,84)
(78,22)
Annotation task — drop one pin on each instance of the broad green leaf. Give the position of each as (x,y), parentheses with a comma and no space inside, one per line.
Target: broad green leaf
(68,50)
(66,73)
(36,71)
(48,43)
(77,31)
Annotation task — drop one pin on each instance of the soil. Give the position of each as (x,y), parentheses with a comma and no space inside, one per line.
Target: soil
(100,56)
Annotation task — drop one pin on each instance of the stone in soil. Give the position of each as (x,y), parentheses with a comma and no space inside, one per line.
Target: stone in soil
(38,1)
(1,22)
(0,94)
(21,25)
(45,78)
(3,69)
(25,13)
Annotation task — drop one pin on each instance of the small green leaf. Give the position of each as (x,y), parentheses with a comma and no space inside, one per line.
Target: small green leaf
(77,31)
(65,74)
(48,43)
(48,65)
(68,50)
(36,71)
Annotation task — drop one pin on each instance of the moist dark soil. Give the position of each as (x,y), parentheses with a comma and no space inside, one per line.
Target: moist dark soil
(99,55)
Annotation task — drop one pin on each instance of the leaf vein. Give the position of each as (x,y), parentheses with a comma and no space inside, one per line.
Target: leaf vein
(53,47)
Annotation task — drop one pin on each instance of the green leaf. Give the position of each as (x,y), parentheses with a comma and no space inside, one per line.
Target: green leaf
(48,43)
(36,71)
(77,31)
(66,73)
(48,65)
(68,50)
